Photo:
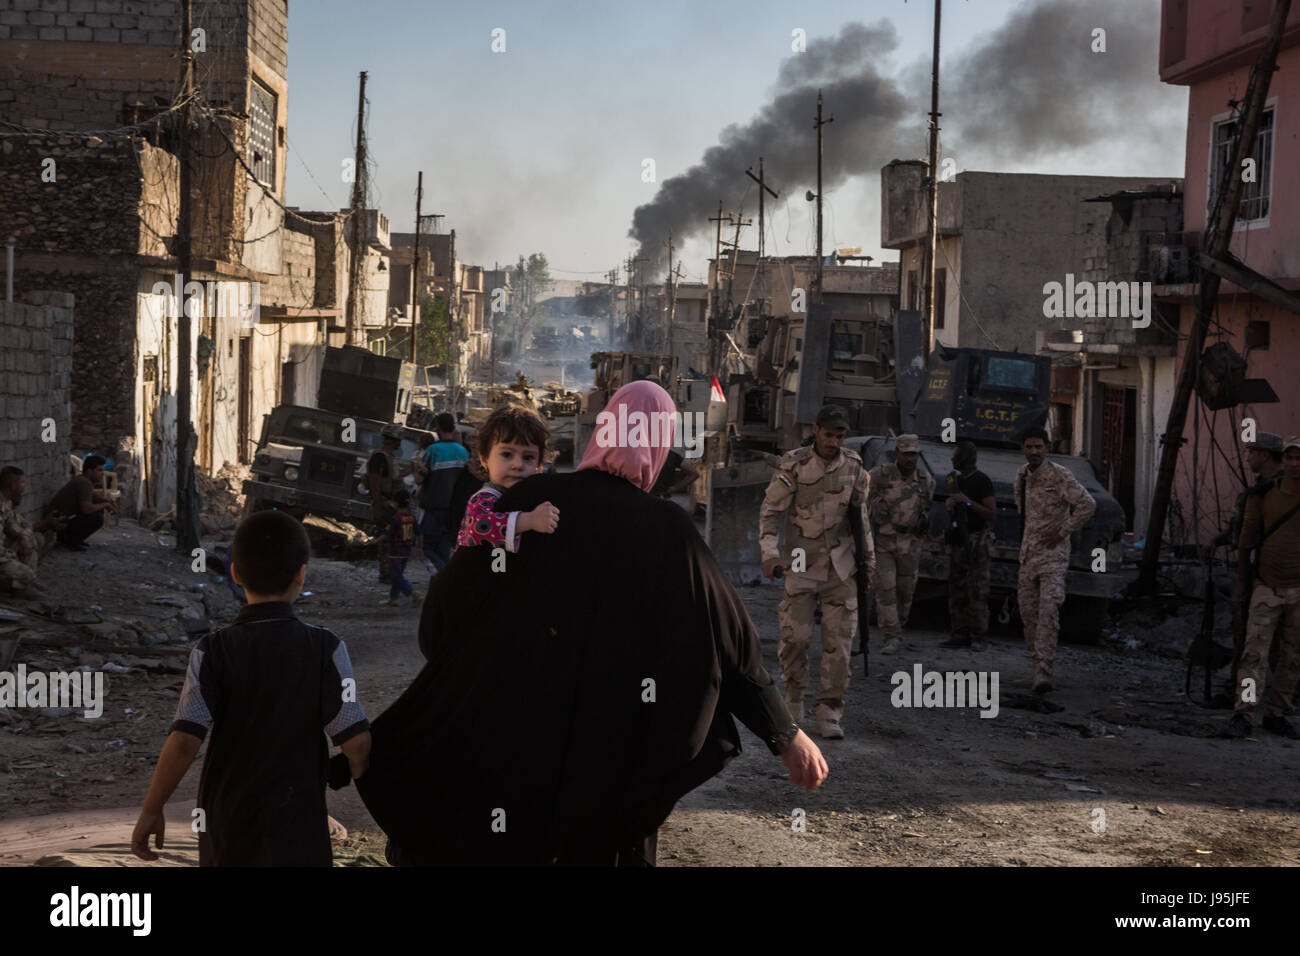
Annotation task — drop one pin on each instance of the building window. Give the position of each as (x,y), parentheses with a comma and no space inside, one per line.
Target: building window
(261,134)
(1254,195)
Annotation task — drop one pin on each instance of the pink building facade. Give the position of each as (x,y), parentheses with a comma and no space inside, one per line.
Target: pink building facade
(1210,46)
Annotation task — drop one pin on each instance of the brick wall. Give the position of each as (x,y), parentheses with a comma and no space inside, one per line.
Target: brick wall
(296,284)
(35,372)
(83,64)
(103,349)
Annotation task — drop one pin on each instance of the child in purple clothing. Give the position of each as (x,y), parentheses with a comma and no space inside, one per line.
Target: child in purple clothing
(510,445)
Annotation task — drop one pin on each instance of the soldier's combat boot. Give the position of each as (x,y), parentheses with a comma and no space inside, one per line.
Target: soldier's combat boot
(1042,680)
(829,728)
(959,638)
(1239,728)
(1281,726)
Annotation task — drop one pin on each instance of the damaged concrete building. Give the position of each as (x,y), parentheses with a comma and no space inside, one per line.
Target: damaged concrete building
(96,216)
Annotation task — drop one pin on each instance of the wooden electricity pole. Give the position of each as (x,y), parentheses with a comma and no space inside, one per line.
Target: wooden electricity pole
(1218,237)
(187,510)
(358,202)
(818,126)
(415,266)
(932,203)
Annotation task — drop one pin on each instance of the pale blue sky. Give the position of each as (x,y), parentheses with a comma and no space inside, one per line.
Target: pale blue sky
(539,148)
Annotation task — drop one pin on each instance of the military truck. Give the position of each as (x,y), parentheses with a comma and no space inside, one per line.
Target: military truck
(313,460)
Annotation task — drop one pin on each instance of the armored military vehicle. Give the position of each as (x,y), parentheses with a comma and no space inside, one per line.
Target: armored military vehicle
(313,460)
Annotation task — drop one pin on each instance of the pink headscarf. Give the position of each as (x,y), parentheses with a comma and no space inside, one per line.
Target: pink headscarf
(633,434)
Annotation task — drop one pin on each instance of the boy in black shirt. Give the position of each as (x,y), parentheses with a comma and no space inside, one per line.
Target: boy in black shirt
(266,686)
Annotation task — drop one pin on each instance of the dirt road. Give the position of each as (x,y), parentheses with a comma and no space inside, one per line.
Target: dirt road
(1127,772)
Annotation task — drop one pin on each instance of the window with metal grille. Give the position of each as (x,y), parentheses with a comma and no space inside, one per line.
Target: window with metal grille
(261,134)
(1255,195)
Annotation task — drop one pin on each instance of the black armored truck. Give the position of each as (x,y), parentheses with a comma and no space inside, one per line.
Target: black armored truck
(991,398)
(313,460)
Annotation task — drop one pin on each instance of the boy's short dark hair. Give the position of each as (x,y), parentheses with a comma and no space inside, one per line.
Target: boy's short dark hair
(445,422)
(92,461)
(515,424)
(1038,433)
(402,497)
(268,550)
(9,472)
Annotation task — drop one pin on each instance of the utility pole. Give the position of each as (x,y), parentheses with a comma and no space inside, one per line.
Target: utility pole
(818,126)
(1218,237)
(763,187)
(672,290)
(187,510)
(612,275)
(713,322)
(355,270)
(932,202)
(415,267)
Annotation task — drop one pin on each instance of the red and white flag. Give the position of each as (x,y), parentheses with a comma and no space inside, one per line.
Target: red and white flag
(716,395)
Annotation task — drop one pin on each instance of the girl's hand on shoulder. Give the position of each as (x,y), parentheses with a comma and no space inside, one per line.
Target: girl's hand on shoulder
(544,518)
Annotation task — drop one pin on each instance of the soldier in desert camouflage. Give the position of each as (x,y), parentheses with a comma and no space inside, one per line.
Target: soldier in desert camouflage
(899,507)
(1053,505)
(814,488)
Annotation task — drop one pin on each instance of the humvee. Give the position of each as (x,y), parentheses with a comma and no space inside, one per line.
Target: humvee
(313,461)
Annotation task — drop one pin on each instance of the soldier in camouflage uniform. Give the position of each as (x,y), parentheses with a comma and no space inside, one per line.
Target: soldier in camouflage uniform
(822,483)
(22,545)
(972,508)
(1271,528)
(1053,505)
(899,507)
(1264,456)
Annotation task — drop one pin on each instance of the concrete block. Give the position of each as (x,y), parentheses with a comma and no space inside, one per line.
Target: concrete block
(98,19)
(4,35)
(81,6)
(40,18)
(57,34)
(80,34)
(13,18)
(54,6)
(108,36)
(161,37)
(123,22)
(26,4)
(135,36)
(25,33)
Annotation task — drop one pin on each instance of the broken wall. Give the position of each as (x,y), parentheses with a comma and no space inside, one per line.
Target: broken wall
(35,371)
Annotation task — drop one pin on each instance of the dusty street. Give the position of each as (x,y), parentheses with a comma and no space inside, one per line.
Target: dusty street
(1125,773)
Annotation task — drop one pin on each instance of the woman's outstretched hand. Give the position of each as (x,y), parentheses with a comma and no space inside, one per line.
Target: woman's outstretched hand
(805,762)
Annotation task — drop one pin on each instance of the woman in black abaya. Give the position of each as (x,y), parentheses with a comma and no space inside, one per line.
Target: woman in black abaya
(577,689)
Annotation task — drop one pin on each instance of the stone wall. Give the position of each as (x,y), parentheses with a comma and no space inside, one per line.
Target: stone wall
(71,195)
(35,373)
